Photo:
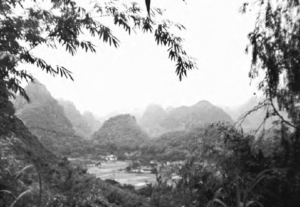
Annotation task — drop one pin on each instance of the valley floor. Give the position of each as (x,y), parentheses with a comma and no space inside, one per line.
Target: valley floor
(115,171)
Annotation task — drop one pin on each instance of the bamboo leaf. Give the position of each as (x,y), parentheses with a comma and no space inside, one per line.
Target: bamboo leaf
(19,197)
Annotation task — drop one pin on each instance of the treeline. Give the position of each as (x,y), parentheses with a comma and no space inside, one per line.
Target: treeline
(221,164)
(230,168)
(169,147)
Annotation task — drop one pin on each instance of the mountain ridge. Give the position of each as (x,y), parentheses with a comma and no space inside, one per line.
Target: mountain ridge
(159,121)
(45,119)
(121,130)
(79,124)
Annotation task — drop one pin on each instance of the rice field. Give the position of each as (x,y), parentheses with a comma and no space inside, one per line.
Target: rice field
(112,170)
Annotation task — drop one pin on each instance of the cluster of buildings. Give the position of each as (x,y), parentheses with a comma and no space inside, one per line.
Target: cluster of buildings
(142,169)
(108,157)
(152,167)
(88,163)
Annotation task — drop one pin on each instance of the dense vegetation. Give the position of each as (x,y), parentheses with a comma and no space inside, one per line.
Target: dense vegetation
(24,26)
(46,119)
(118,135)
(222,166)
(231,168)
(202,151)
(169,147)
(51,181)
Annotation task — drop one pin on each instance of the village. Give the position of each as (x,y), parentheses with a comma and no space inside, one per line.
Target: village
(127,172)
(133,166)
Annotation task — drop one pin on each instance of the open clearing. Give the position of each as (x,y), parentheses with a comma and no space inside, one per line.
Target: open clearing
(111,170)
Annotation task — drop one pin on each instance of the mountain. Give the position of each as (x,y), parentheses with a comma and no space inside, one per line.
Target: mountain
(120,131)
(26,165)
(151,120)
(200,114)
(21,146)
(157,121)
(80,124)
(15,134)
(46,119)
(93,123)
(237,111)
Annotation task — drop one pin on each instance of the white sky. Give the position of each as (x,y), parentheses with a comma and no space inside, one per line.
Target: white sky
(139,73)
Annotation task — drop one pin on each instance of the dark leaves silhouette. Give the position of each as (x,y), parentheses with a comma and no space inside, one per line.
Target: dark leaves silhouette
(148,6)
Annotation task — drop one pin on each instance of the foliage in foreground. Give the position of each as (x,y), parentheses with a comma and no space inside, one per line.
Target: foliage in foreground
(21,185)
(52,181)
(28,24)
(232,168)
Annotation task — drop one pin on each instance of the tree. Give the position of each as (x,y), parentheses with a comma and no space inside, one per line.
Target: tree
(274,45)
(65,23)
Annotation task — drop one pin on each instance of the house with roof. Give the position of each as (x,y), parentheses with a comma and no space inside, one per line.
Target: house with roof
(111,158)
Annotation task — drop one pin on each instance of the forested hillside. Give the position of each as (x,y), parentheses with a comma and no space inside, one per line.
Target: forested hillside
(120,132)
(46,119)
(32,172)
(171,146)
(81,127)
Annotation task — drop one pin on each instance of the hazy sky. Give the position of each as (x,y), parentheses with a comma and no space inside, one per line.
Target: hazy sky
(139,72)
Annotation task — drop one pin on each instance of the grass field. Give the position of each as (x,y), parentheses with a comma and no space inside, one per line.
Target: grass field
(110,170)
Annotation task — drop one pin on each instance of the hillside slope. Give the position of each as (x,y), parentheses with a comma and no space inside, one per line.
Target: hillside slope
(62,185)
(151,120)
(46,119)
(120,131)
(93,123)
(156,121)
(79,124)
(197,115)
